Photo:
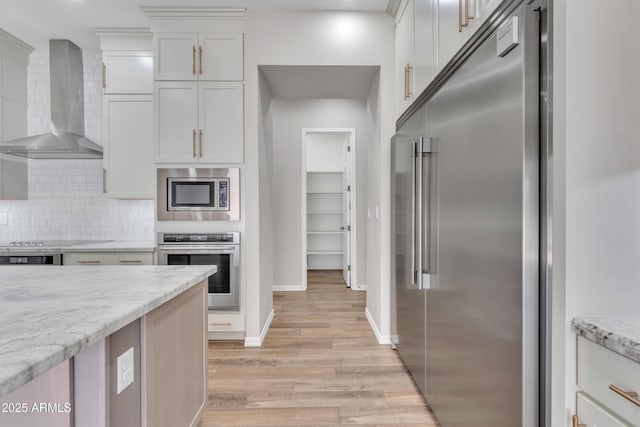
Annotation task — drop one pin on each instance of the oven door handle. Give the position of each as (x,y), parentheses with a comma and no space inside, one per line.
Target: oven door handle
(197,249)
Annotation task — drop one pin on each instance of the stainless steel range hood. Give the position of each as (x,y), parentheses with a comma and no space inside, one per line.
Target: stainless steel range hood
(66,140)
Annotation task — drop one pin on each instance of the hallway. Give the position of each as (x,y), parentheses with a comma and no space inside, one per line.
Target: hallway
(320,365)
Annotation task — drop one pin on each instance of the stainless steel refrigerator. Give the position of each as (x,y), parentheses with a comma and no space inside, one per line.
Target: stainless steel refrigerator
(465,197)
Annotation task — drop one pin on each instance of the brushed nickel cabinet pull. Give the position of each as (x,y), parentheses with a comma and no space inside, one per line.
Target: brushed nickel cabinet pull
(200,58)
(194,143)
(130,261)
(104,181)
(576,423)
(631,396)
(406,82)
(220,324)
(466,12)
(104,76)
(193,60)
(201,143)
(89,262)
(409,85)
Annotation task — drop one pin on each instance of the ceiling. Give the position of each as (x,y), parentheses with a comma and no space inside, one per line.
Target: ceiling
(37,21)
(310,82)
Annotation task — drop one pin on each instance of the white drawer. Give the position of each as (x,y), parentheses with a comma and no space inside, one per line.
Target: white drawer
(226,322)
(591,414)
(599,368)
(108,258)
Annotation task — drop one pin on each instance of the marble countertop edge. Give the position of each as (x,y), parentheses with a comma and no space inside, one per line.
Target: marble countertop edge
(33,366)
(618,333)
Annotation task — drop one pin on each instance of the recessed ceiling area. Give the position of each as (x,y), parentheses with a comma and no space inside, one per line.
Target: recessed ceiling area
(37,21)
(295,82)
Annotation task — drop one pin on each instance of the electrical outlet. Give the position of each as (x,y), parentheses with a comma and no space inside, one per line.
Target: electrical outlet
(4,219)
(125,373)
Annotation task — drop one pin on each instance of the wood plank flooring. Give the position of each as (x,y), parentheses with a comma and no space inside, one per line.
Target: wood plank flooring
(320,365)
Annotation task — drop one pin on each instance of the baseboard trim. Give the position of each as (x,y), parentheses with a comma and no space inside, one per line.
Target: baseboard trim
(257,341)
(382,339)
(288,288)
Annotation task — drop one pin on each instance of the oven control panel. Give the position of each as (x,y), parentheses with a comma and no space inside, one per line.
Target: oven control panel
(191,238)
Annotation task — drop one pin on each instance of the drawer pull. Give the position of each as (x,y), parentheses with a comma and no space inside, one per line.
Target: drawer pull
(130,261)
(631,396)
(220,324)
(577,423)
(89,262)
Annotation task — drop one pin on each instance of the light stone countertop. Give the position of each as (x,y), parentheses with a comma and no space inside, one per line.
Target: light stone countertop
(618,333)
(98,246)
(49,314)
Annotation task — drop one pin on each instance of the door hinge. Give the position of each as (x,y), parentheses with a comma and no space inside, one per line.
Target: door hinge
(348,148)
(348,267)
(348,188)
(104,76)
(104,180)
(348,228)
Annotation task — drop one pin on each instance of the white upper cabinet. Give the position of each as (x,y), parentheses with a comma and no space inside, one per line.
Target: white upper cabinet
(452,29)
(176,121)
(221,120)
(199,56)
(404,55)
(199,122)
(423,56)
(127,113)
(222,57)
(414,50)
(127,72)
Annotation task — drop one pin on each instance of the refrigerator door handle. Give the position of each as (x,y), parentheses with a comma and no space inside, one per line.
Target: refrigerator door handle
(418,212)
(427,231)
(414,195)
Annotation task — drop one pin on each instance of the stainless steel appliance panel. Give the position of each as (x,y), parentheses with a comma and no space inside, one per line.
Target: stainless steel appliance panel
(408,299)
(482,316)
(224,202)
(220,249)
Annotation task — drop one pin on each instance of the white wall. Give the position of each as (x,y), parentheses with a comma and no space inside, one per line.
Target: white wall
(266,197)
(289,119)
(596,93)
(65,196)
(313,38)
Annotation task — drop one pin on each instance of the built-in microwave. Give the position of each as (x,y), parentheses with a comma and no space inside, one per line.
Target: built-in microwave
(191,194)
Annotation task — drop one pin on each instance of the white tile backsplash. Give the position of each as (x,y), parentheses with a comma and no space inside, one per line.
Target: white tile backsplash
(65,196)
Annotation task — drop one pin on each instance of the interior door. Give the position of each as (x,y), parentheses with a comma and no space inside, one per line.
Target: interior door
(346,213)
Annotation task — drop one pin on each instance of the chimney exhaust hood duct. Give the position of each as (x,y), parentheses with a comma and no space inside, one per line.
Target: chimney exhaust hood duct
(67,140)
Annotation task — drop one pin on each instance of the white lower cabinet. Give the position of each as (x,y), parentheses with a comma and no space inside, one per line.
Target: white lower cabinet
(608,384)
(128,131)
(223,325)
(108,258)
(591,414)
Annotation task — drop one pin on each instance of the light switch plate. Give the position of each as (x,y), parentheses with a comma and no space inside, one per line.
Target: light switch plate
(125,372)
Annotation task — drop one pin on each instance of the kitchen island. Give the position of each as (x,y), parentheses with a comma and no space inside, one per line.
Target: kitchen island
(49,316)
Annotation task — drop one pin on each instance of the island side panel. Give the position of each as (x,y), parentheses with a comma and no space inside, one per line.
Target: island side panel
(175,360)
(45,401)
(125,408)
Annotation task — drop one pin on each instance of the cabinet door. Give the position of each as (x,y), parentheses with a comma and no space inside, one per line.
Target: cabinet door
(483,9)
(128,143)
(450,34)
(221,58)
(176,121)
(128,72)
(404,57)
(423,57)
(175,56)
(593,415)
(221,122)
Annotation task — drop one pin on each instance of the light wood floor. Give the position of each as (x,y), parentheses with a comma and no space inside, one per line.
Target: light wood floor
(320,365)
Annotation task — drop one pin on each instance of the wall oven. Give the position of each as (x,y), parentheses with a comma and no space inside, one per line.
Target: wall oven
(191,194)
(219,249)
